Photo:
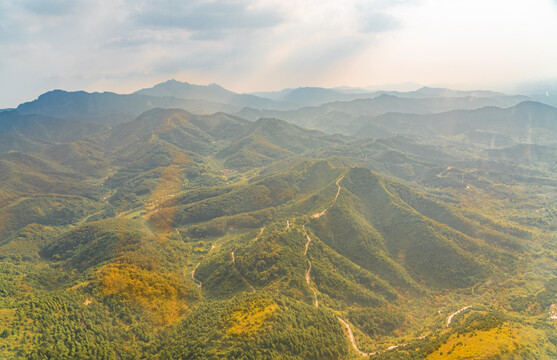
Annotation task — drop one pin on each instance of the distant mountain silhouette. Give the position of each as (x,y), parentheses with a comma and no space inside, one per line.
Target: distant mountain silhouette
(526,122)
(342,116)
(211,92)
(109,107)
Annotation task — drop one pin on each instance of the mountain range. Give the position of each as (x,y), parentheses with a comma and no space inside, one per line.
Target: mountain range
(192,222)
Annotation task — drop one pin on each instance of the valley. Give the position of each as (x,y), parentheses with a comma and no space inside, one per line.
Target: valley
(191,222)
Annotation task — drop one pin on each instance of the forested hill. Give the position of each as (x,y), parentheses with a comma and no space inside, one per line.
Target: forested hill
(137,230)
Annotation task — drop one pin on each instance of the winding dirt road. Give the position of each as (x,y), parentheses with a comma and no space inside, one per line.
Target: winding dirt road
(307,244)
(238,271)
(355,346)
(308,281)
(352,340)
(197,282)
(450,318)
(315,216)
(308,278)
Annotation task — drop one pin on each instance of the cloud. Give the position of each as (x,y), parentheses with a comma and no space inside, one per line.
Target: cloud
(64,42)
(248,44)
(377,16)
(50,7)
(142,37)
(376,22)
(200,16)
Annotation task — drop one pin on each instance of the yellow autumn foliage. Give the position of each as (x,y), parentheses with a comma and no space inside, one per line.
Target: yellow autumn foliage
(159,296)
(496,343)
(251,317)
(170,183)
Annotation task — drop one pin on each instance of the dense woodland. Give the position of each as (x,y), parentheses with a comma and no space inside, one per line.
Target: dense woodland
(133,232)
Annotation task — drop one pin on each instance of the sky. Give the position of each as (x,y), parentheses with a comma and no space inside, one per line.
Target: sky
(264,45)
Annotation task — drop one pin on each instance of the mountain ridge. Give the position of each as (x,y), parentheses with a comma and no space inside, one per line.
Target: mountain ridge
(182,235)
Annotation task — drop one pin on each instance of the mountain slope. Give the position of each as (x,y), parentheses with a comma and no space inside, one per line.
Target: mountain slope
(348,112)
(109,108)
(525,122)
(211,92)
(178,235)
(268,140)
(177,127)
(29,133)
(315,96)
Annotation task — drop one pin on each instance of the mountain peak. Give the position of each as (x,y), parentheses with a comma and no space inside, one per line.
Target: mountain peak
(174,82)
(535,108)
(212,92)
(531,104)
(386,96)
(432,90)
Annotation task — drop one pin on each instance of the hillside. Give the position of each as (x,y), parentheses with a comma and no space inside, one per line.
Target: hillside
(343,116)
(29,133)
(525,122)
(529,154)
(174,234)
(212,93)
(110,108)
(315,96)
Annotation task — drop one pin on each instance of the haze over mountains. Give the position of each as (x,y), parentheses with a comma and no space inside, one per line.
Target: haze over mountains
(188,221)
(109,107)
(307,103)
